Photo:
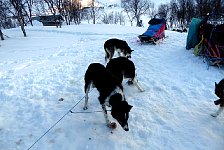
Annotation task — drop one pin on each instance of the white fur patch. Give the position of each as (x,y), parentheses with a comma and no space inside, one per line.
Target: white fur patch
(116,90)
(125,127)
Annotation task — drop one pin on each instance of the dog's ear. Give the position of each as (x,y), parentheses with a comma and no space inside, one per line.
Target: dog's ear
(216,84)
(128,108)
(132,50)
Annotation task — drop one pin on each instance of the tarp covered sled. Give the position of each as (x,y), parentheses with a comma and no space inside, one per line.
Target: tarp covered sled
(209,42)
(155,31)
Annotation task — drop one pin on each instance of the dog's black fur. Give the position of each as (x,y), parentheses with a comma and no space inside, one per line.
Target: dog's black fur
(121,46)
(110,93)
(122,67)
(219,91)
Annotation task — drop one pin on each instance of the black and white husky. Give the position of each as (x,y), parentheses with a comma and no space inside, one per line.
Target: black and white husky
(112,45)
(110,93)
(219,91)
(122,67)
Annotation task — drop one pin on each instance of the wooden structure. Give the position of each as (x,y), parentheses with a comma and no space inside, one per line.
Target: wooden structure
(51,20)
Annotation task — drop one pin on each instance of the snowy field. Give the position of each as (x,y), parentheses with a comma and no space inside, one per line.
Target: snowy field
(37,71)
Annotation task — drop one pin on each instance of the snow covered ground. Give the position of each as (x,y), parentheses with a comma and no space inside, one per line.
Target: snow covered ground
(36,71)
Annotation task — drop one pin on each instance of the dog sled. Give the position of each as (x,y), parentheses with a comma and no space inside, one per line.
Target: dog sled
(155,31)
(211,39)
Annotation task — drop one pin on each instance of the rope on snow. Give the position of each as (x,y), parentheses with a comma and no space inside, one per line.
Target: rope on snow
(69,111)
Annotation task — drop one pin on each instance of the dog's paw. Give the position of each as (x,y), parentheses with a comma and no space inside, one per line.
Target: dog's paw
(85,108)
(214,114)
(129,82)
(142,90)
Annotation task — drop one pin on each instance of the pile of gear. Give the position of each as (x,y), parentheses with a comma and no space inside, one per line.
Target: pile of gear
(206,36)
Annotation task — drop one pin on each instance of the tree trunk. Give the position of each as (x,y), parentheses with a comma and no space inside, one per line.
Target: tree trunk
(93,11)
(21,22)
(131,22)
(1,35)
(94,16)
(30,17)
(23,29)
(19,9)
(138,22)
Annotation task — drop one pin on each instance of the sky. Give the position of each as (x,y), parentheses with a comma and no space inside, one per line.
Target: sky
(42,80)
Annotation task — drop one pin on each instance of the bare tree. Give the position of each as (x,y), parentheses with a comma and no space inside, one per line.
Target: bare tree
(71,10)
(105,18)
(222,6)
(94,11)
(181,11)
(113,17)
(128,10)
(51,6)
(3,16)
(55,6)
(39,7)
(1,35)
(202,7)
(216,6)
(18,6)
(86,14)
(190,11)
(29,5)
(173,12)
(66,6)
(163,10)
(119,18)
(152,10)
(135,9)
(76,11)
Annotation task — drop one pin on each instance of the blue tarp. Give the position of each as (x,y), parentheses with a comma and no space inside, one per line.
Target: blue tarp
(154,25)
(192,36)
(152,29)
